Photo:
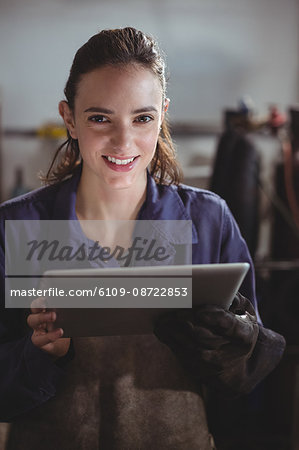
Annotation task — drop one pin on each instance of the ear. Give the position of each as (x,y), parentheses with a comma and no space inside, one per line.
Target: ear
(165,108)
(68,118)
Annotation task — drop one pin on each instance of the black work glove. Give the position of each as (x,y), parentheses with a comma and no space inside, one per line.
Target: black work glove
(227,350)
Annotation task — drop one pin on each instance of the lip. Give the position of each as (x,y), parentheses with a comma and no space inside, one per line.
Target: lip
(121,168)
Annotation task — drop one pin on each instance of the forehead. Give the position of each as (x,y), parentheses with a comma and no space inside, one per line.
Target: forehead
(119,85)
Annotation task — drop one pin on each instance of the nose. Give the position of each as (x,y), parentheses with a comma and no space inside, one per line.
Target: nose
(122,138)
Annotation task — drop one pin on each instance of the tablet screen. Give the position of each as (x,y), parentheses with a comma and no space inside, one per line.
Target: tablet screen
(129,300)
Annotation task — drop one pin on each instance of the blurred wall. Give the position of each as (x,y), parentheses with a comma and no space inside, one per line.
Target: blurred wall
(217,51)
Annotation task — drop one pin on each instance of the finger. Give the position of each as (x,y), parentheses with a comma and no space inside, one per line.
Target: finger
(207,308)
(38,305)
(213,360)
(244,329)
(186,315)
(228,355)
(42,338)
(36,320)
(214,318)
(174,333)
(173,321)
(180,332)
(241,304)
(205,338)
(51,325)
(228,324)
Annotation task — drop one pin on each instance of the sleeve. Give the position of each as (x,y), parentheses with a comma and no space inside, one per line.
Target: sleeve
(229,351)
(269,346)
(234,249)
(28,376)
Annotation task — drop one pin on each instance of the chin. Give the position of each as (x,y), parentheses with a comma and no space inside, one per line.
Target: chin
(126,182)
(119,184)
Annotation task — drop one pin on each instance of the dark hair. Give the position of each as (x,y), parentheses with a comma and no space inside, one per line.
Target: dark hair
(116,47)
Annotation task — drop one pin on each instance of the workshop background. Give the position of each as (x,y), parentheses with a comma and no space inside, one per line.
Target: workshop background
(234,88)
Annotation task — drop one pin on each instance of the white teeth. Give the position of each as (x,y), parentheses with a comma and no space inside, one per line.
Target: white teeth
(120,162)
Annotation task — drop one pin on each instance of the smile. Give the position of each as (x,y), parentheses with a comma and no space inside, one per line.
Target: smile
(120,165)
(120,162)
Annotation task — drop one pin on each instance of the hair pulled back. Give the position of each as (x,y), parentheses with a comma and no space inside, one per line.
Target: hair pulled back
(116,47)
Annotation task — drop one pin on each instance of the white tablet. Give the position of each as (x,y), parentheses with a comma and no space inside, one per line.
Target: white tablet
(127,301)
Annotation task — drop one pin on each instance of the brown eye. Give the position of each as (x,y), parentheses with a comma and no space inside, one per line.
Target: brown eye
(144,119)
(97,119)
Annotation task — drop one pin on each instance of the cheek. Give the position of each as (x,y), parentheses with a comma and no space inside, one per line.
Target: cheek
(90,140)
(149,142)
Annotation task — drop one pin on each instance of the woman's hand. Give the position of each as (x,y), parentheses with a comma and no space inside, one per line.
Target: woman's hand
(45,336)
(228,350)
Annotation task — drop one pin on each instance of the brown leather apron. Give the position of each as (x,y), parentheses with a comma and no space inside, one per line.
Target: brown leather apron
(119,393)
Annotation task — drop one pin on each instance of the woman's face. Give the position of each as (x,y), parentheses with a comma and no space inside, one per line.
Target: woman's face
(117,116)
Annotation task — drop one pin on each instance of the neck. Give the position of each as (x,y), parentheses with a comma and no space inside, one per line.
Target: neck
(97,202)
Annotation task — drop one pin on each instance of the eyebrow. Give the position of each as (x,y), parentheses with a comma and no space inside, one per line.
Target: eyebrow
(100,109)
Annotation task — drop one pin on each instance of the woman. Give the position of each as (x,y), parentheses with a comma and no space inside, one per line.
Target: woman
(130,392)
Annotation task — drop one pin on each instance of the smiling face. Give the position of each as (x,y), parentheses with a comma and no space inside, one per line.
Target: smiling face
(117,116)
